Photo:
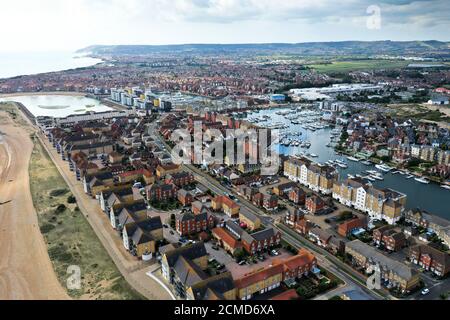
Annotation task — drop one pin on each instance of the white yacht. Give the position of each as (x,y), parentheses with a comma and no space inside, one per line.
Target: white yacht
(353,159)
(422,180)
(383,167)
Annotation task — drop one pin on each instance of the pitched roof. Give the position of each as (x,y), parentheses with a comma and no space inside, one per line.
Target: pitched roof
(258,276)
(226,237)
(374,255)
(213,287)
(188,272)
(192,252)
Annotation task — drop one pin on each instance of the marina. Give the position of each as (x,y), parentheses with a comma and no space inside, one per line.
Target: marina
(427,196)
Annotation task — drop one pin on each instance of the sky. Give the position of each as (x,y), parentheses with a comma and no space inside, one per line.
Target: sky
(68,25)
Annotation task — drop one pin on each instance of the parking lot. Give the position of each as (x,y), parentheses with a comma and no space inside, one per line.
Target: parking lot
(239,271)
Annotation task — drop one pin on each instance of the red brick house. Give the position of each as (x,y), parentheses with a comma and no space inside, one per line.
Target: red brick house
(430,259)
(390,239)
(258,199)
(293,216)
(299,265)
(314,204)
(180,179)
(270,202)
(185,197)
(297,196)
(347,227)
(161,192)
(303,226)
(189,223)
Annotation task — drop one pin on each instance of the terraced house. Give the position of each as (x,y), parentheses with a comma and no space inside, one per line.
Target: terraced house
(218,287)
(430,259)
(232,236)
(319,178)
(436,224)
(346,192)
(189,223)
(394,273)
(380,204)
(228,206)
(271,277)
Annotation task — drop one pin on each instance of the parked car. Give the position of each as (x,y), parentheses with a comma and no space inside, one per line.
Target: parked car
(425,291)
(165,226)
(214,247)
(171,232)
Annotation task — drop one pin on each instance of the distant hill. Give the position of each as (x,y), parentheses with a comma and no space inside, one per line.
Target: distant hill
(423,48)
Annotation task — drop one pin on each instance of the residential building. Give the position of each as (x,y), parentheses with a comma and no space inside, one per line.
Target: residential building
(389,238)
(297,196)
(348,227)
(395,273)
(189,223)
(431,259)
(251,220)
(433,223)
(314,204)
(140,237)
(382,204)
(161,192)
(185,197)
(218,287)
(270,278)
(251,243)
(195,253)
(228,206)
(259,282)
(180,179)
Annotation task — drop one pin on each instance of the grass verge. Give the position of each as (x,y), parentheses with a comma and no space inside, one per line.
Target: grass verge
(69,237)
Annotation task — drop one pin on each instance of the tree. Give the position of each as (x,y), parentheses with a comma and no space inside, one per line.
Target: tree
(239,254)
(71,199)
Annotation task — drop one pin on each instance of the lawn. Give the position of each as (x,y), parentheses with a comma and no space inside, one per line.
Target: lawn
(69,237)
(358,65)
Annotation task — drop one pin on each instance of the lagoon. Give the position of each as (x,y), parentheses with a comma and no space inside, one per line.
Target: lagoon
(57,105)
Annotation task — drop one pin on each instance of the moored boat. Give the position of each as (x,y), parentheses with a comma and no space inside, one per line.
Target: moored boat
(422,180)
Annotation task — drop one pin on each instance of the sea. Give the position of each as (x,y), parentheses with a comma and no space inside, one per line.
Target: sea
(14,64)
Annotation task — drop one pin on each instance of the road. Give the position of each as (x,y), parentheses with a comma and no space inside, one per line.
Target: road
(26,272)
(325,258)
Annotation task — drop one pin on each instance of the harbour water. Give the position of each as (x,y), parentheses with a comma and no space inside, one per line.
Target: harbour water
(430,197)
(57,105)
(14,64)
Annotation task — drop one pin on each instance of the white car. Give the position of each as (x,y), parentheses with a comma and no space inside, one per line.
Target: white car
(425,291)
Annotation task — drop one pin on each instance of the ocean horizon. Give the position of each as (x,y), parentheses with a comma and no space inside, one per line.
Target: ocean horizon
(13,64)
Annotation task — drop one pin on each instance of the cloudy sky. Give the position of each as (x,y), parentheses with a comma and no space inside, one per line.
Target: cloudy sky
(73,24)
